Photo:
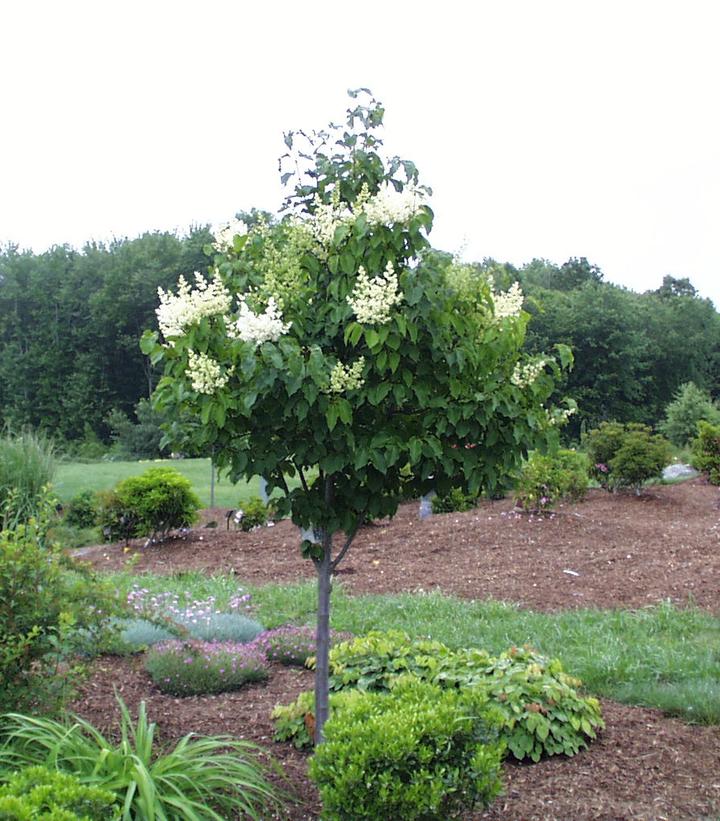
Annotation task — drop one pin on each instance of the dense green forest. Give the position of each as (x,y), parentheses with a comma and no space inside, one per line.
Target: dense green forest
(70,322)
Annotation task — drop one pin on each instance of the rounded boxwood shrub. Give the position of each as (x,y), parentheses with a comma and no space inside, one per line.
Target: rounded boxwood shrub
(417,752)
(624,456)
(706,451)
(191,668)
(38,793)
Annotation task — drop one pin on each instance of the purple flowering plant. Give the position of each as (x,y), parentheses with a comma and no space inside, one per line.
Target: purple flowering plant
(190,667)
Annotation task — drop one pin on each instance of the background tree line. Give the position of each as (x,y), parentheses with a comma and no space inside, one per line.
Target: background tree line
(70,321)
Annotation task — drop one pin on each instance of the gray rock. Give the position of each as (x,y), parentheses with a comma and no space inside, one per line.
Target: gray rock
(679,472)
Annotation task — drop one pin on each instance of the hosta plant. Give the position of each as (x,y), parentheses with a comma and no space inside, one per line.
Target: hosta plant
(201,778)
(542,709)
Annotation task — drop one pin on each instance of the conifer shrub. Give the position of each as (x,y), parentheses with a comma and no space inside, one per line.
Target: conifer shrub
(689,406)
(152,504)
(706,451)
(416,752)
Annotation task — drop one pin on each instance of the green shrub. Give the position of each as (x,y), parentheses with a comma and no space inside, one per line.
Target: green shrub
(153,504)
(690,406)
(210,779)
(295,722)
(542,709)
(82,510)
(625,455)
(453,502)
(46,602)
(706,451)
(38,793)
(136,441)
(27,467)
(418,752)
(546,480)
(255,514)
(190,668)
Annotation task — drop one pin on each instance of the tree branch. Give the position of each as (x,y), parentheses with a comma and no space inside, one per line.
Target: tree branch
(344,549)
(302,477)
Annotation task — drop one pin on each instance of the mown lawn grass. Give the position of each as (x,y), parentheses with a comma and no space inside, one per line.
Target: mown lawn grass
(660,656)
(74,477)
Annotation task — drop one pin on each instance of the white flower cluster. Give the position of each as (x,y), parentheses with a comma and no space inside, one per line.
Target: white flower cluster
(225,234)
(559,416)
(258,328)
(508,304)
(205,373)
(326,218)
(389,206)
(346,377)
(178,312)
(525,375)
(373,299)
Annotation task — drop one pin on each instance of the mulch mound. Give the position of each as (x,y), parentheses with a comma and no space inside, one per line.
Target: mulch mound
(607,551)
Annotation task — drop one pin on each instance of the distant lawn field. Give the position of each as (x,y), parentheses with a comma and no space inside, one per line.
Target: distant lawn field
(74,477)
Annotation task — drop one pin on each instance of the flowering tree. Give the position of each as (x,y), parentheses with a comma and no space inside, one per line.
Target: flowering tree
(335,346)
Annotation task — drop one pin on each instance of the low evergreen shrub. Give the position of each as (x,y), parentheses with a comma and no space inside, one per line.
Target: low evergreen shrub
(546,480)
(190,667)
(417,752)
(39,793)
(706,451)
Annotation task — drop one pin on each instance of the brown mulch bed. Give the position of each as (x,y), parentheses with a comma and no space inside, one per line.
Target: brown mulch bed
(623,551)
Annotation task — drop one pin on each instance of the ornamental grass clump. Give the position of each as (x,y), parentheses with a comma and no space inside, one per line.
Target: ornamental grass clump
(203,778)
(191,668)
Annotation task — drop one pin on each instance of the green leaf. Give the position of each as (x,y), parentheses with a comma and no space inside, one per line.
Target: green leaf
(331,414)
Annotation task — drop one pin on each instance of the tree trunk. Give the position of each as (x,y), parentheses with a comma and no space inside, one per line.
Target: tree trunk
(322,637)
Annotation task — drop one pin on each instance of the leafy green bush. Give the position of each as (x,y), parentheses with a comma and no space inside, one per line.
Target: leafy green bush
(625,455)
(295,722)
(706,451)
(211,779)
(546,480)
(255,514)
(542,709)
(153,504)
(190,668)
(46,601)
(27,467)
(418,752)
(82,510)
(453,502)
(39,793)
(690,406)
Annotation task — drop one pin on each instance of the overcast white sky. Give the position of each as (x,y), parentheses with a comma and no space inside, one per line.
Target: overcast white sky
(546,128)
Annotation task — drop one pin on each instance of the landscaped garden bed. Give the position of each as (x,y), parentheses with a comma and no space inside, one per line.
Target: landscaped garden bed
(655,559)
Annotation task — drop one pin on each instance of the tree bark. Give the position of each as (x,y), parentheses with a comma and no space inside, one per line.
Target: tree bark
(322,638)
